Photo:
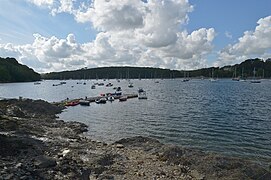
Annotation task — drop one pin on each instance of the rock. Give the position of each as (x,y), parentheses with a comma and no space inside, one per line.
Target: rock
(18,165)
(171,154)
(120,146)
(10,176)
(195,174)
(85,174)
(45,162)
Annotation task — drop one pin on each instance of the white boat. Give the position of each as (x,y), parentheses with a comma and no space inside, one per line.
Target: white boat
(234,77)
(140,90)
(130,85)
(118,91)
(212,78)
(142,95)
(254,80)
(110,98)
(101,100)
(186,77)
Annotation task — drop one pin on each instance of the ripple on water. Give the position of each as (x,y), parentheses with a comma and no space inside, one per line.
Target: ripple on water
(227,117)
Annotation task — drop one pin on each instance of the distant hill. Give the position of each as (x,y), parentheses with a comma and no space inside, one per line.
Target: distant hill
(245,69)
(115,72)
(12,71)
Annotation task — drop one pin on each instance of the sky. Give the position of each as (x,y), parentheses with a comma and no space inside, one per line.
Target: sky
(57,35)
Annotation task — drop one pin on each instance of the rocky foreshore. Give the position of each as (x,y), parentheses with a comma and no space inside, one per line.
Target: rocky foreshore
(35,145)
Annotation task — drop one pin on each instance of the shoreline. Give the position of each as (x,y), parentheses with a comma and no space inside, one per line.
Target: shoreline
(36,145)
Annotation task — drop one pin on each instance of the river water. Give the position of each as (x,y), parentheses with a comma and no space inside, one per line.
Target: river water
(228,117)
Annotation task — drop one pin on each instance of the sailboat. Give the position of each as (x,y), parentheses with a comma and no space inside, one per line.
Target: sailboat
(186,78)
(242,76)
(254,80)
(212,79)
(234,78)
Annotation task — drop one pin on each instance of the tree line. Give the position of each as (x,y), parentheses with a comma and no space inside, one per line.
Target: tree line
(244,70)
(12,71)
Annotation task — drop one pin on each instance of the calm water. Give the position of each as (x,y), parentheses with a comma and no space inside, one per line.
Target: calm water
(233,118)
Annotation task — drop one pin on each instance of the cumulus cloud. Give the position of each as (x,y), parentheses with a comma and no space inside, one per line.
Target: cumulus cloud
(47,54)
(64,6)
(255,43)
(129,32)
(48,3)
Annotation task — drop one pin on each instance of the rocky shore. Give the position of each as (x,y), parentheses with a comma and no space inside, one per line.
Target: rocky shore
(35,145)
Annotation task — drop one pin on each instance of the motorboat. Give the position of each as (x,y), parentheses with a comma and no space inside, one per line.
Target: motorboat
(101,100)
(84,102)
(118,91)
(142,95)
(140,90)
(109,85)
(110,98)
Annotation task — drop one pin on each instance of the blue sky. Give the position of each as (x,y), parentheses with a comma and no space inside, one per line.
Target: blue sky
(55,35)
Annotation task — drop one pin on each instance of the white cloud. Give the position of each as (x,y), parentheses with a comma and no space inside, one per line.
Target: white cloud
(228,35)
(130,32)
(48,3)
(65,6)
(252,44)
(47,54)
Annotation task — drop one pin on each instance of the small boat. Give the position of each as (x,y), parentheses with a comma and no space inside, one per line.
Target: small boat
(118,91)
(93,86)
(123,98)
(37,83)
(84,102)
(140,90)
(109,85)
(254,80)
(130,85)
(142,95)
(235,78)
(63,82)
(72,103)
(110,98)
(101,100)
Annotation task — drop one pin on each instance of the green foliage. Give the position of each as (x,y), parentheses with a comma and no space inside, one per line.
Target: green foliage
(245,70)
(12,71)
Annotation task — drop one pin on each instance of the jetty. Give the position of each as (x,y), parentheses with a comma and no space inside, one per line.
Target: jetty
(94,98)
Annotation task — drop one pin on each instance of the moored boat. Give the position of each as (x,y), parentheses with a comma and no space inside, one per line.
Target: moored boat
(101,100)
(72,103)
(130,85)
(84,102)
(140,90)
(142,95)
(110,98)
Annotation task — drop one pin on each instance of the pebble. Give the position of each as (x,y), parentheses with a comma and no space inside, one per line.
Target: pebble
(120,146)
